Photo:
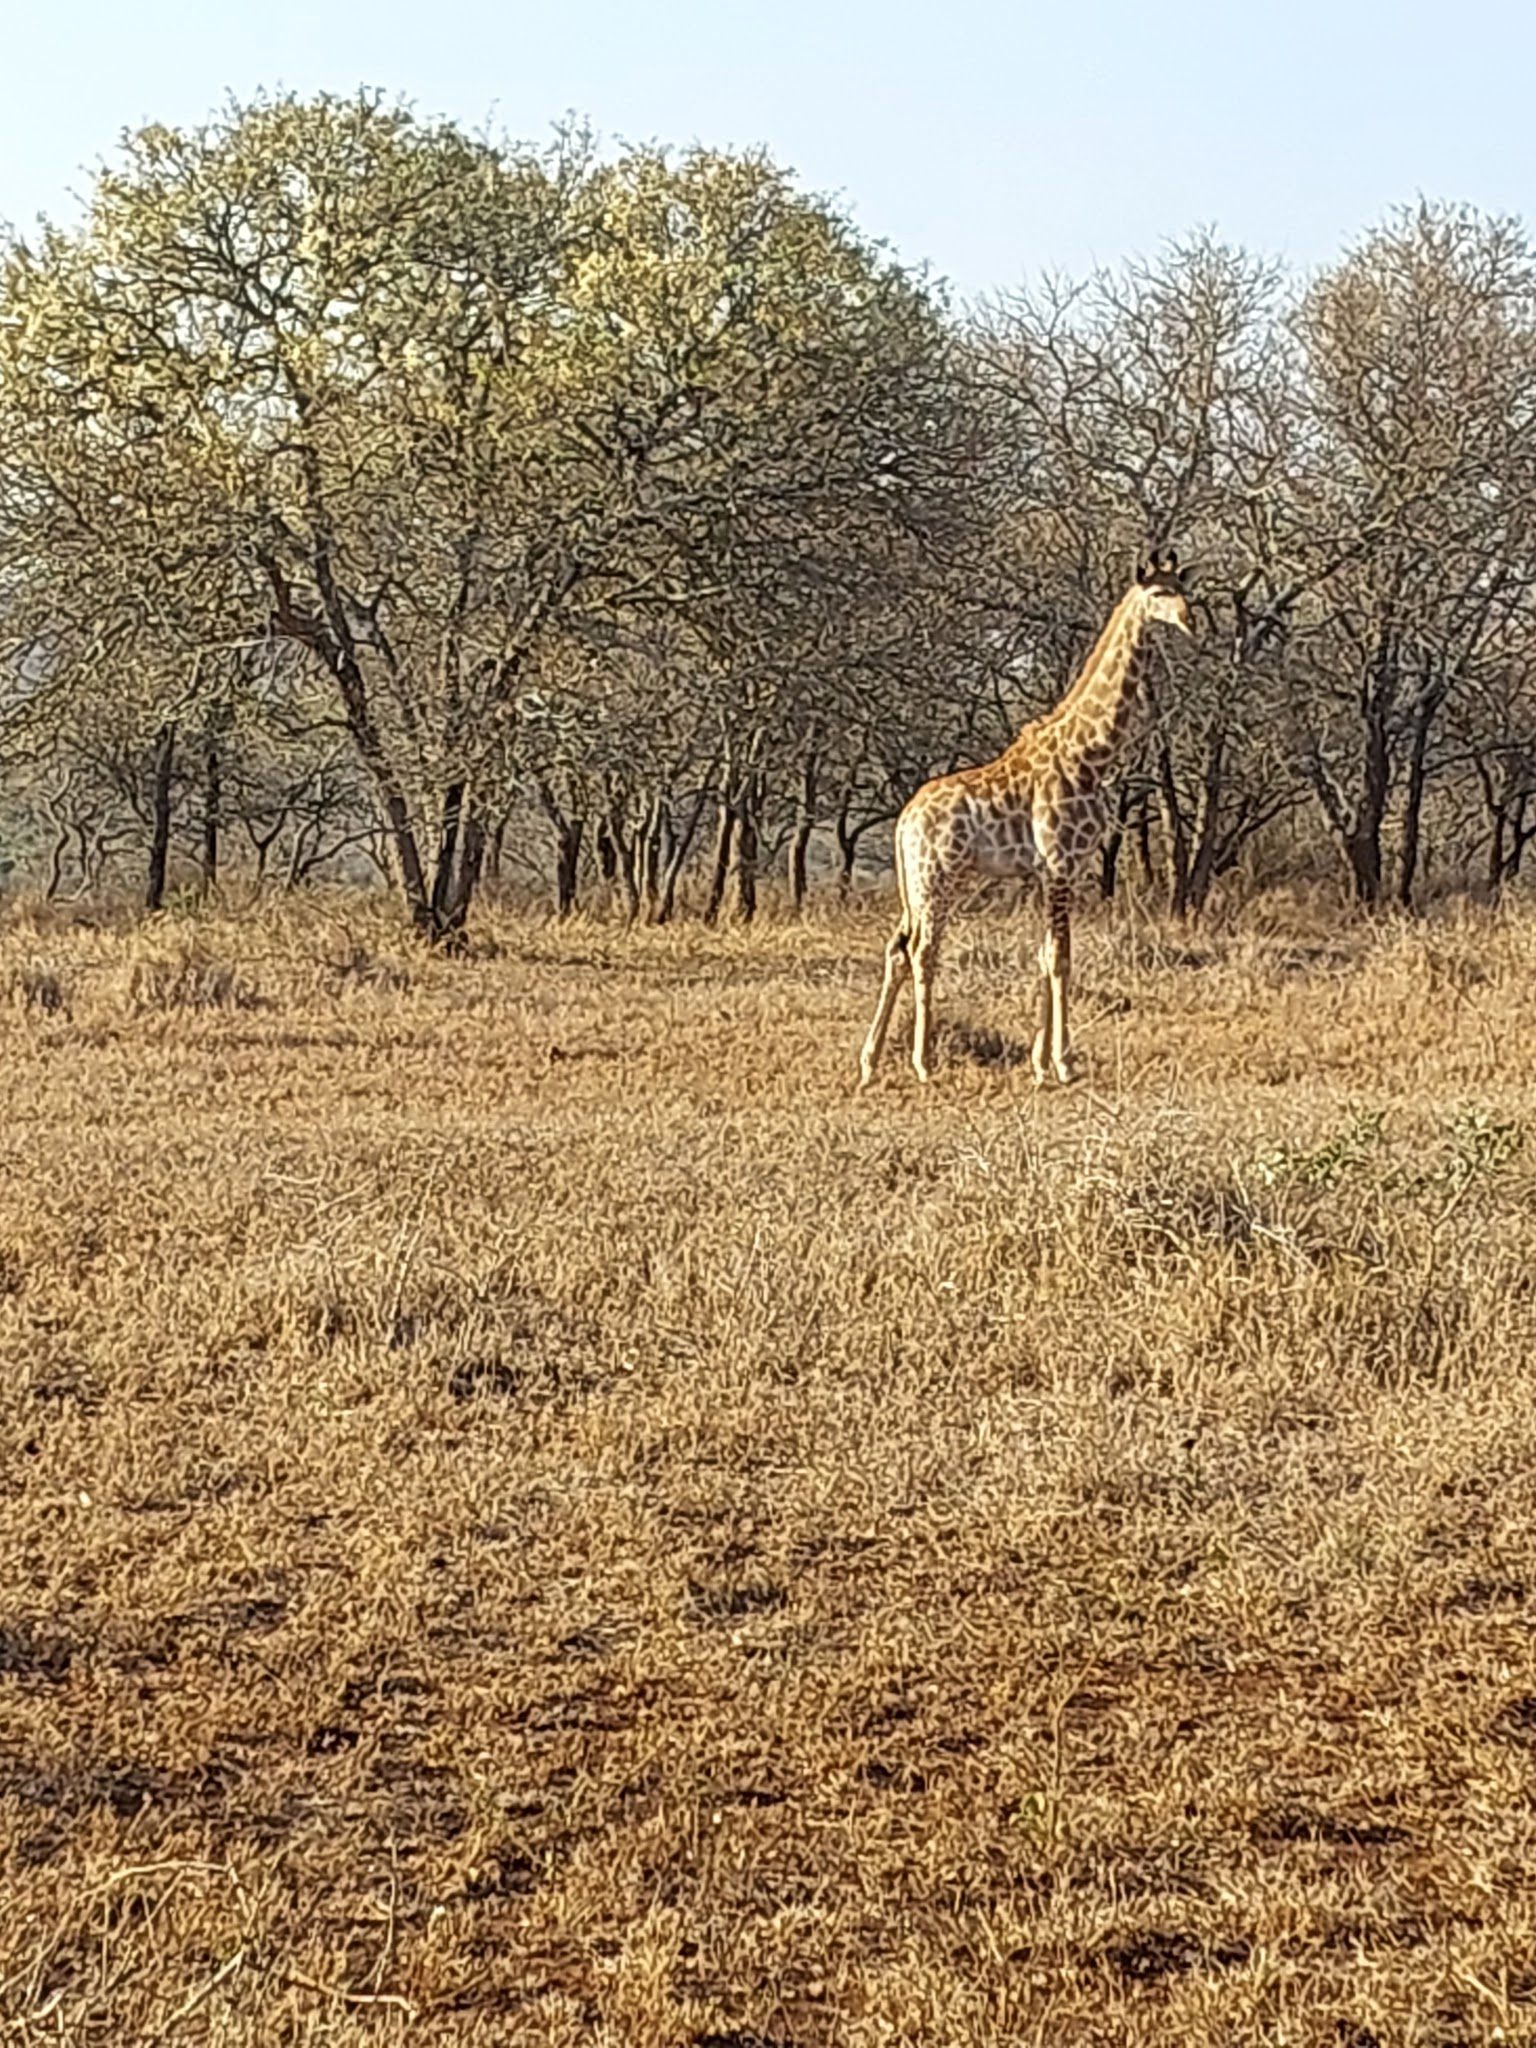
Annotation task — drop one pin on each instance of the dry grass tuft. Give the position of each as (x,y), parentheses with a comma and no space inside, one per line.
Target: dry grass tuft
(535,1514)
(184,975)
(351,963)
(37,991)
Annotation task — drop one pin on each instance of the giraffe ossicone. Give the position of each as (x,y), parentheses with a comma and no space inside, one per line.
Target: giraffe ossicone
(1039,808)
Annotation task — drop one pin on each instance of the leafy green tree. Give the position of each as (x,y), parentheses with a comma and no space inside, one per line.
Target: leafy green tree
(432,410)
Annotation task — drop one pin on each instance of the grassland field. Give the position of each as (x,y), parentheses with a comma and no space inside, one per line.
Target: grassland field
(531,1512)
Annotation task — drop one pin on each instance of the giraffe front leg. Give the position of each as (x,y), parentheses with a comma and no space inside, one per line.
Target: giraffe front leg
(1057,957)
(1040,1052)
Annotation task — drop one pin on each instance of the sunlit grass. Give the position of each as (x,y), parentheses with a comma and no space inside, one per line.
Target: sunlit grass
(535,1513)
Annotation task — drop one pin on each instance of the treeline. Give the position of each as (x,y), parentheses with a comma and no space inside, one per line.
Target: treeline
(379,499)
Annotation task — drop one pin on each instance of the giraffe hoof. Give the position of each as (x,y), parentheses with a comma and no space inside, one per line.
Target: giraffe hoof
(1068,1071)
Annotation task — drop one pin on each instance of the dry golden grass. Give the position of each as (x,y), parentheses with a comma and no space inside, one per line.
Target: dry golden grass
(531,1513)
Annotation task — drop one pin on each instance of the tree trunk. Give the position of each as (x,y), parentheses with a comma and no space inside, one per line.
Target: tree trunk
(724,835)
(1363,851)
(1109,862)
(212,794)
(1143,836)
(1413,804)
(652,855)
(160,815)
(329,639)
(1362,845)
(607,855)
(681,845)
(1112,846)
(466,879)
(1507,831)
(1362,842)
(747,849)
(1496,856)
(627,856)
(568,836)
(56,864)
(402,836)
(569,831)
(1177,831)
(1521,834)
(298,858)
(1207,835)
(447,852)
(799,845)
(456,870)
(848,836)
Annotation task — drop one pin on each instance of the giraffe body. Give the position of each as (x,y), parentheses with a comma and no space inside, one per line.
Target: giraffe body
(1039,808)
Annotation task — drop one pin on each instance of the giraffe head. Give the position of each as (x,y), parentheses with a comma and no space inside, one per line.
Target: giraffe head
(1161,590)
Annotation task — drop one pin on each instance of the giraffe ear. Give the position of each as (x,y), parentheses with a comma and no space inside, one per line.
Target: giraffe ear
(1170,562)
(1145,570)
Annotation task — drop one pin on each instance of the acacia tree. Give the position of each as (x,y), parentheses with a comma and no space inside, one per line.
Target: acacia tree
(115,568)
(781,409)
(818,444)
(196,380)
(1421,351)
(1491,745)
(1164,402)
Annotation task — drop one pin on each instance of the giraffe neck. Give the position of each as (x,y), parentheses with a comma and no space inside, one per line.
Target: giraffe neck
(1096,712)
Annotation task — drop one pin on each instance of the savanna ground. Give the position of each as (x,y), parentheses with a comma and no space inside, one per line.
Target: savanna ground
(532,1513)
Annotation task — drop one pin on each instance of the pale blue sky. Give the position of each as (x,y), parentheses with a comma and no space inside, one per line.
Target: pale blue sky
(989,139)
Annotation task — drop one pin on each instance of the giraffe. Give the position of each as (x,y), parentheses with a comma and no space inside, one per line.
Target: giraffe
(1039,808)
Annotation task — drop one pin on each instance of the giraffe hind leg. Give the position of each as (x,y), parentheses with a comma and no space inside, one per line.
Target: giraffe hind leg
(925,960)
(897,964)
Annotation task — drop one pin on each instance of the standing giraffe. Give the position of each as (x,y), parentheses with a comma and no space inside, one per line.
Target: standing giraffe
(1038,808)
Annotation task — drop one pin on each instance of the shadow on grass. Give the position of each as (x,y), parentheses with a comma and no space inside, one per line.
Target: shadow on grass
(978,1045)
